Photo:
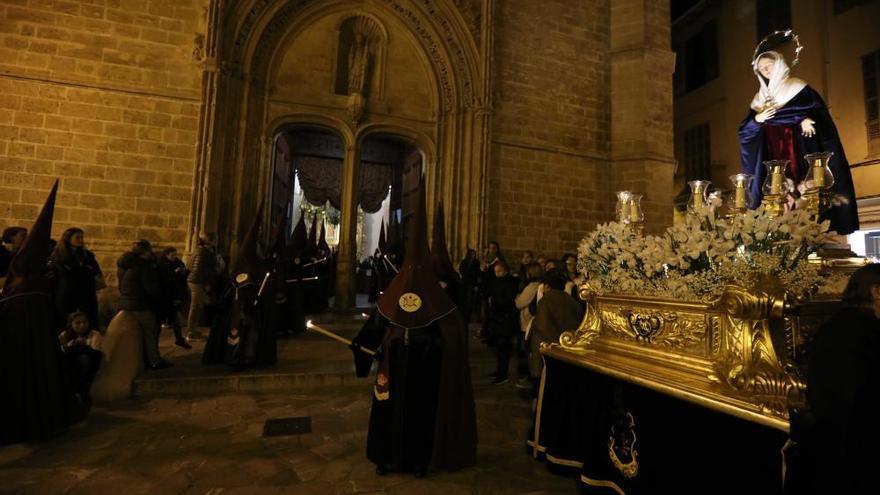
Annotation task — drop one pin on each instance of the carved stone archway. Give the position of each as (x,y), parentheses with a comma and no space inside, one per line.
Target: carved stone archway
(237,124)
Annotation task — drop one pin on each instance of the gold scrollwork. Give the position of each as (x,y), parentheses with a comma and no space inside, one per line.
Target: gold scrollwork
(670,329)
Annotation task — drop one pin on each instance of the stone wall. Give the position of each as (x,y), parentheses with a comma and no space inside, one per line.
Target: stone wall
(548,177)
(105,95)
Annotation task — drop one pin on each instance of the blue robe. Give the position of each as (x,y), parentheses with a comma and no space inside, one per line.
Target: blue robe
(806,104)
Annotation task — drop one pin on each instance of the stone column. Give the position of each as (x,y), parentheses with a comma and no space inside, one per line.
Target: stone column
(642,64)
(346,258)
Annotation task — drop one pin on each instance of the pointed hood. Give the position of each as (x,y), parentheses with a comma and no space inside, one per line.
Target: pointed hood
(248,261)
(440,260)
(279,243)
(299,239)
(313,234)
(414,298)
(383,245)
(322,239)
(29,263)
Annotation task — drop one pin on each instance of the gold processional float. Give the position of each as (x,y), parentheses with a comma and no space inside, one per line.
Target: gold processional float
(721,309)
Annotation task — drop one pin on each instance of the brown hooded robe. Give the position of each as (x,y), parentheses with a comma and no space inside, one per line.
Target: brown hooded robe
(37,399)
(423,412)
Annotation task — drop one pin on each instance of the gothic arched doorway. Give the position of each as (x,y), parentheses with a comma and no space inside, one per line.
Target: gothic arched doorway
(307,182)
(364,70)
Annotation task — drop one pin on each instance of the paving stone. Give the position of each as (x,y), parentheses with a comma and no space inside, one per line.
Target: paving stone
(212,444)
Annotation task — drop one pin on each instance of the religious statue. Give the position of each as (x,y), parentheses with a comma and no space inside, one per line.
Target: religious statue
(358,62)
(788,119)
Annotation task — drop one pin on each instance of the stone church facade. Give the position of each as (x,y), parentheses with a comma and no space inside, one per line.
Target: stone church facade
(159,116)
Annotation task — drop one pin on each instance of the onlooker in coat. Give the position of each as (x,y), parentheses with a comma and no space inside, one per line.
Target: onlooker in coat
(527,304)
(81,345)
(557,312)
(77,278)
(204,269)
(140,293)
(503,318)
(13,237)
(172,275)
(491,256)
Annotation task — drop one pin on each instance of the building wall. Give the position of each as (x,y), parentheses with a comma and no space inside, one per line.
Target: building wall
(106,95)
(551,135)
(103,94)
(305,73)
(830,63)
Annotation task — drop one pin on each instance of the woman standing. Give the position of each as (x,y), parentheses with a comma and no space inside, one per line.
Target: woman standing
(77,278)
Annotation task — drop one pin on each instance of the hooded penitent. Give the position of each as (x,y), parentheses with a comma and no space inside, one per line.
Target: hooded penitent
(322,239)
(394,238)
(383,245)
(247,337)
(38,401)
(312,246)
(299,239)
(423,410)
(782,137)
(28,266)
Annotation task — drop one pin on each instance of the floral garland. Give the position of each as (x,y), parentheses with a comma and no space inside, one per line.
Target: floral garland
(696,259)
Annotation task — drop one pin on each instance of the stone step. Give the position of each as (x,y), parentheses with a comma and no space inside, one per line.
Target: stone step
(304,361)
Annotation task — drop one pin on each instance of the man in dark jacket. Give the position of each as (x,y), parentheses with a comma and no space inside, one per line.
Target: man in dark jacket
(503,318)
(173,275)
(203,271)
(140,294)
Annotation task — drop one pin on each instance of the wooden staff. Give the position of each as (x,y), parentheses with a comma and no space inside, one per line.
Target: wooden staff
(338,338)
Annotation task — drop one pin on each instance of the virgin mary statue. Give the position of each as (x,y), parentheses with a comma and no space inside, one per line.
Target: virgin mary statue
(787,120)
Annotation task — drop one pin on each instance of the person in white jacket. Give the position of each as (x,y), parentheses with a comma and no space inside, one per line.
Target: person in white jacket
(527,303)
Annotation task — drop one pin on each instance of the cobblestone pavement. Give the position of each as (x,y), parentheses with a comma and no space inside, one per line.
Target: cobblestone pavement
(194,444)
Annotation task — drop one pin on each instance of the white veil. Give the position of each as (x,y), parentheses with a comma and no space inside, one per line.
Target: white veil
(781,87)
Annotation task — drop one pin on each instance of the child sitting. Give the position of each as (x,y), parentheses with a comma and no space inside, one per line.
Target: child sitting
(82,351)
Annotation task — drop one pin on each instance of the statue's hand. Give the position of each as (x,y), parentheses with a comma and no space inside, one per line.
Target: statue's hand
(765,115)
(808,128)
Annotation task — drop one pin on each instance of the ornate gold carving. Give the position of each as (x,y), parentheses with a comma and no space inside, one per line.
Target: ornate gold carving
(755,341)
(662,328)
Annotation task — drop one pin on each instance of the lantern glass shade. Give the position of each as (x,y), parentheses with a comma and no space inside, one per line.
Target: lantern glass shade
(776,182)
(819,174)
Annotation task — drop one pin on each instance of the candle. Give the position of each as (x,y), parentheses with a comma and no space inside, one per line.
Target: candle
(818,174)
(634,212)
(739,199)
(776,181)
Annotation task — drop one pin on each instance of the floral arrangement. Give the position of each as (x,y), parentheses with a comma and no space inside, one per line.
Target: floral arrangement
(696,259)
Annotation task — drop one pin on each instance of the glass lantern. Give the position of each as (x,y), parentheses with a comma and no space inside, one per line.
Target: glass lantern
(699,192)
(742,191)
(819,174)
(775,183)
